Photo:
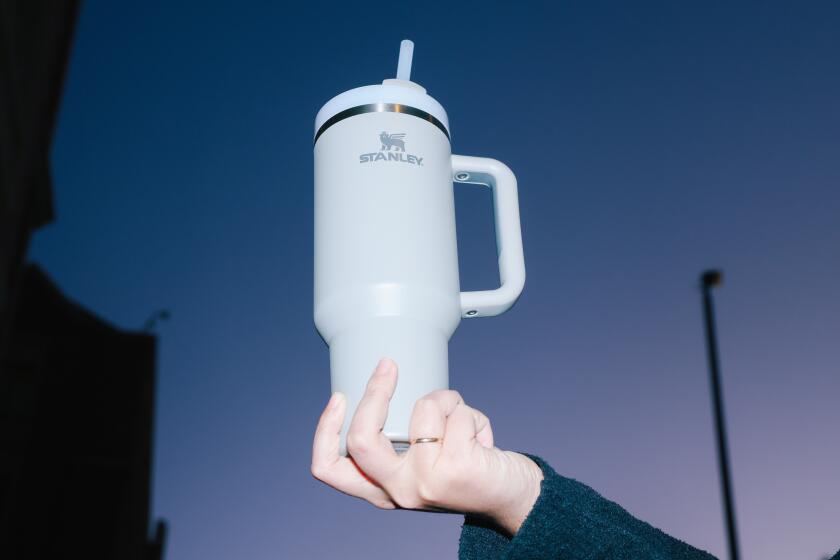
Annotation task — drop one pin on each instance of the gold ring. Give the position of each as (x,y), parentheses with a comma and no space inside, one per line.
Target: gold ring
(427,440)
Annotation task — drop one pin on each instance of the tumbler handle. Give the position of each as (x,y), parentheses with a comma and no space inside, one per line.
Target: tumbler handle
(501,180)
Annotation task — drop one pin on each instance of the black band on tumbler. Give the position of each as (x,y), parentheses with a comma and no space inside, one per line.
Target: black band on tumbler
(380,108)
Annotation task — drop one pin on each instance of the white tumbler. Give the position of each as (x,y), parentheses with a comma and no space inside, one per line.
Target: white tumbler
(386,261)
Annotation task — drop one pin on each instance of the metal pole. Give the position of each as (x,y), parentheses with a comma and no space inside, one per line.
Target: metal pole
(709,279)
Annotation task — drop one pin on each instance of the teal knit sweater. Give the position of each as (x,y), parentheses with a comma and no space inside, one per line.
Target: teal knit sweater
(570,521)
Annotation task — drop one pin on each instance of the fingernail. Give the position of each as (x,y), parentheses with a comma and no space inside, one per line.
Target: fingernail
(383,367)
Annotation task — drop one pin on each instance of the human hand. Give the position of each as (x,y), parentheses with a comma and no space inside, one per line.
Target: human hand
(463,472)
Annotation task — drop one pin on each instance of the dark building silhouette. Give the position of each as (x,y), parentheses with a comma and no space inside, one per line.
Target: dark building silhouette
(35,39)
(76,423)
(76,394)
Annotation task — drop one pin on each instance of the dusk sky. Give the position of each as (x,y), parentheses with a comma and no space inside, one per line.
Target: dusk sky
(650,141)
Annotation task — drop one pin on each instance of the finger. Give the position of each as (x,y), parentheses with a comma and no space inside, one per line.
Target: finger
(326,442)
(483,430)
(366,443)
(448,399)
(337,471)
(461,429)
(429,420)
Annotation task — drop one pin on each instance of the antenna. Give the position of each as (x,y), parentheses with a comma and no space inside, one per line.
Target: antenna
(708,280)
(404,64)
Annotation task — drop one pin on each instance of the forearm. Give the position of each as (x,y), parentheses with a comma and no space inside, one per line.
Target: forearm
(571,521)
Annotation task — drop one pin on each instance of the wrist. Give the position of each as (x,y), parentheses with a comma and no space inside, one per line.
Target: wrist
(523,486)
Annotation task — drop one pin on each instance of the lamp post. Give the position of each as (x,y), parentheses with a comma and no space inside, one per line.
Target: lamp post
(709,279)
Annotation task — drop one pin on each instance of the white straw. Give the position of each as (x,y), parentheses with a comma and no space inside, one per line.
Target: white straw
(404,65)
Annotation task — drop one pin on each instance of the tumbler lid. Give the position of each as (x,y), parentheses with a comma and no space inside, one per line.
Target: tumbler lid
(398,95)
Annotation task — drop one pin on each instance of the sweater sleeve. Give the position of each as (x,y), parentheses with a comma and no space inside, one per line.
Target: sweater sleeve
(571,521)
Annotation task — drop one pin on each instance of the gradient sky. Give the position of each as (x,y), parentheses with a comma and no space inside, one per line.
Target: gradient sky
(650,142)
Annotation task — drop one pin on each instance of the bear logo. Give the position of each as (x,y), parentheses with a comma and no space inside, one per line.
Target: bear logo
(392,141)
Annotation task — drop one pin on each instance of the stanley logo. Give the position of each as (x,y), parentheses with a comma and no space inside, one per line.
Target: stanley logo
(388,141)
